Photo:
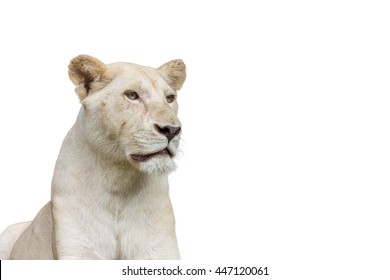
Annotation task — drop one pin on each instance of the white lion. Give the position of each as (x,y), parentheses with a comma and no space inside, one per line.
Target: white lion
(110,188)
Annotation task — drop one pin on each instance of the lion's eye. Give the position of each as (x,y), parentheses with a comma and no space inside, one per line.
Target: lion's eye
(130,94)
(170,98)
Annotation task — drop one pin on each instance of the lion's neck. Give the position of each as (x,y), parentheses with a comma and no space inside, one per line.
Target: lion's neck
(80,162)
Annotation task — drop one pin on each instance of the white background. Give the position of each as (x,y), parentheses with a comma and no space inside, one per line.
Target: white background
(285,111)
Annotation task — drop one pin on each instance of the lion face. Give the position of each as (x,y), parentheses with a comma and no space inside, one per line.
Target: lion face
(130,111)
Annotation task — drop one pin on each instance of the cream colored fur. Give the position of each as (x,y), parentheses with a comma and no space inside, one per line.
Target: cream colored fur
(108,200)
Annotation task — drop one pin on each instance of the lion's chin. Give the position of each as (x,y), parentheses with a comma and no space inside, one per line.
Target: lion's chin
(157,165)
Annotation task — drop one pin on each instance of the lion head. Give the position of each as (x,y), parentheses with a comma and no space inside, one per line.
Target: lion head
(129,112)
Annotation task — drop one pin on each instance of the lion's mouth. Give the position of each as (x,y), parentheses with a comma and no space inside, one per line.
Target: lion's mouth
(147,157)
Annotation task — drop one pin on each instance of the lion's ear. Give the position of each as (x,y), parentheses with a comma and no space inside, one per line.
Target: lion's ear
(87,73)
(174,73)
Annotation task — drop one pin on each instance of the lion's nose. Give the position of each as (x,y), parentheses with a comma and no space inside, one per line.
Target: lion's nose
(168,131)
